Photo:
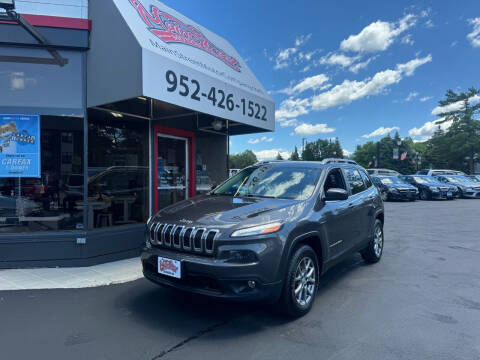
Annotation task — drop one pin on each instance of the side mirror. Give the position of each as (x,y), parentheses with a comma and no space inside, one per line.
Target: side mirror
(213,187)
(335,194)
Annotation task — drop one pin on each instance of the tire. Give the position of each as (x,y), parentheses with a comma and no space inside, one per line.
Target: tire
(297,305)
(373,252)
(424,195)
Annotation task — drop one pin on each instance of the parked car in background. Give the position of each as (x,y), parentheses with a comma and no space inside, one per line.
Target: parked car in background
(434,172)
(383,172)
(430,188)
(394,188)
(268,232)
(475,178)
(467,188)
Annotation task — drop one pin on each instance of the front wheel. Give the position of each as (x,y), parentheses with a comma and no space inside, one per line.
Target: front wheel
(424,195)
(384,196)
(373,252)
(301,282)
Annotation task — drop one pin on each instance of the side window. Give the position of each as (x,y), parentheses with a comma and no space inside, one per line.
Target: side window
(355,180)
(366,179)
(334,180)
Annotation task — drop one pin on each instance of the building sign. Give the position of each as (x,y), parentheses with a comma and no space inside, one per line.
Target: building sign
(172,30)
(185,64)
(19,146)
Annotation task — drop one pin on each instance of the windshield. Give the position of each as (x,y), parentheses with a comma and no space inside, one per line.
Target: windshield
(457,179)
(272,181)
(392,180)
(424,180)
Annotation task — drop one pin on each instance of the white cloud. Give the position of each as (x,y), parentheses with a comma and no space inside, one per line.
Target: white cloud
(381,131)
(349,91)
(262,139)
(456,106)
(361,65)
(429,23)
(426,131)
(310,129)
(292,108)
(284,57)
(411,96)
(426,98)
(347,153)
(271,154)
(338,59)
(310,83)
(377,36)
(474,36)
(288,123)
(407,39)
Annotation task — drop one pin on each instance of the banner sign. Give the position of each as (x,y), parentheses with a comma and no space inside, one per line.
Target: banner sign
(19,146)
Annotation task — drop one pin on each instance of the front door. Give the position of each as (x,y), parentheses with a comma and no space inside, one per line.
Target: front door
(173,162)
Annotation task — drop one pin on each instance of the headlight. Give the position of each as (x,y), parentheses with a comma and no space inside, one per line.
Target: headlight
(434,189)
(393,190)
(258,230)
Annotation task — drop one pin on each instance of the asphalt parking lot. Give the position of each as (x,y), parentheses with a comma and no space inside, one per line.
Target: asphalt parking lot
(422,301)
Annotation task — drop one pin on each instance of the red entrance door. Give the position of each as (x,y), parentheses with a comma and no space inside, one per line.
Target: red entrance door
(174,162)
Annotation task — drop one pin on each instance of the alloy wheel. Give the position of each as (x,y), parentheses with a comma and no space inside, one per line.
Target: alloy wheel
(304,282)
(378,241)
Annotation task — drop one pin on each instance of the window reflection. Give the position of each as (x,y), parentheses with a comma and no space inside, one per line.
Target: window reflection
(118,170)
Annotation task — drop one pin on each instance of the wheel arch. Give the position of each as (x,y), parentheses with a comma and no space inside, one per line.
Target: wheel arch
(314,240)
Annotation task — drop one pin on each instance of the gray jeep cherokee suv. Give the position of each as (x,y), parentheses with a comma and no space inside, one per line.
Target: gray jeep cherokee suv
(268,232)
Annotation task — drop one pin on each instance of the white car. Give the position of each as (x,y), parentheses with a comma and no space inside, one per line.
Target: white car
(383,172)
(436,172)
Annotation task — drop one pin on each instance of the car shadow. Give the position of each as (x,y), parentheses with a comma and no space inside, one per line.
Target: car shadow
(188,315)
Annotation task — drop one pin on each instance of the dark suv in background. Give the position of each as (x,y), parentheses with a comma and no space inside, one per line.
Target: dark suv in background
(268,232)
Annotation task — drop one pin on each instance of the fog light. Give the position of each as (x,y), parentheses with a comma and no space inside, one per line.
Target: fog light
(251,284)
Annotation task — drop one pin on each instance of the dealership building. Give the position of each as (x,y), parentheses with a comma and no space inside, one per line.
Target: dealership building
(109,111)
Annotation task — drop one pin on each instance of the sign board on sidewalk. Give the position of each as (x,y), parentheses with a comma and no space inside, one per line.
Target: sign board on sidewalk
(19,146)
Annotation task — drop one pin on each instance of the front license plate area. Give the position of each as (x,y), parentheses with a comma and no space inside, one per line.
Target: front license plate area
(170,267)
(449,194)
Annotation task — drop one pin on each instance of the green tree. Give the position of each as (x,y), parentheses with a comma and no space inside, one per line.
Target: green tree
(322,149)
(461,143)
(242,160)
(294,156)
(279,157)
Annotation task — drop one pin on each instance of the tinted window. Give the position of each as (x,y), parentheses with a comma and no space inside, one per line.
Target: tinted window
(366,179)
(355,180)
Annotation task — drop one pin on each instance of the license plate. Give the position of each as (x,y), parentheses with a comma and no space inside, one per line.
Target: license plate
(449,193)
(169,267)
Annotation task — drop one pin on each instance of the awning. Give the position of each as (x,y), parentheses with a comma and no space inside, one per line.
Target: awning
(144,48)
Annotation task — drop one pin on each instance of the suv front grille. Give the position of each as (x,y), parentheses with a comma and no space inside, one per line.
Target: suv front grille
(196,240)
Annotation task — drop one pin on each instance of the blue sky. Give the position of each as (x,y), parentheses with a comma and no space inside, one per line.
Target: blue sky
(369,66)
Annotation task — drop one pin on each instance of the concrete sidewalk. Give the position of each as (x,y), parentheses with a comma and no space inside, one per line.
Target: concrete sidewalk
(69,278)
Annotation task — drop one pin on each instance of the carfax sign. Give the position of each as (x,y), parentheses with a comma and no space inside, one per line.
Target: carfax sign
(19,146)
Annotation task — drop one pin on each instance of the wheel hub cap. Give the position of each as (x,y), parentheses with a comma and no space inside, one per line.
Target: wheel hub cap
(304,283)
(378,241)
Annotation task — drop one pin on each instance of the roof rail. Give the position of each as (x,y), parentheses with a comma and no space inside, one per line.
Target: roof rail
(338,161)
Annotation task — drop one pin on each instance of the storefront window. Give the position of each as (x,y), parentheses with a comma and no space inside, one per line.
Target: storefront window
(211,161)
(118,186)
(54,200)
(31,83)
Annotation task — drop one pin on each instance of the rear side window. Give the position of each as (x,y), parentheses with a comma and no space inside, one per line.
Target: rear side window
(366,179)
(354,179)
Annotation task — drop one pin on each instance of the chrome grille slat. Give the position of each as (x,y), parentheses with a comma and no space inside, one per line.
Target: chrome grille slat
(185,238)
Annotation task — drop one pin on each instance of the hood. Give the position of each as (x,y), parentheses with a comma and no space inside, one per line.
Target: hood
(228,212)
(400,186)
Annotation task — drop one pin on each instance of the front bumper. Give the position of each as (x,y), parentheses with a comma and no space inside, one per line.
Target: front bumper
(471,194)
(213,277)
(443,195)
(402,195)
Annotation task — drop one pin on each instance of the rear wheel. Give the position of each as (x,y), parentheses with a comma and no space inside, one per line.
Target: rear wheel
(301,282)
(373,252)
